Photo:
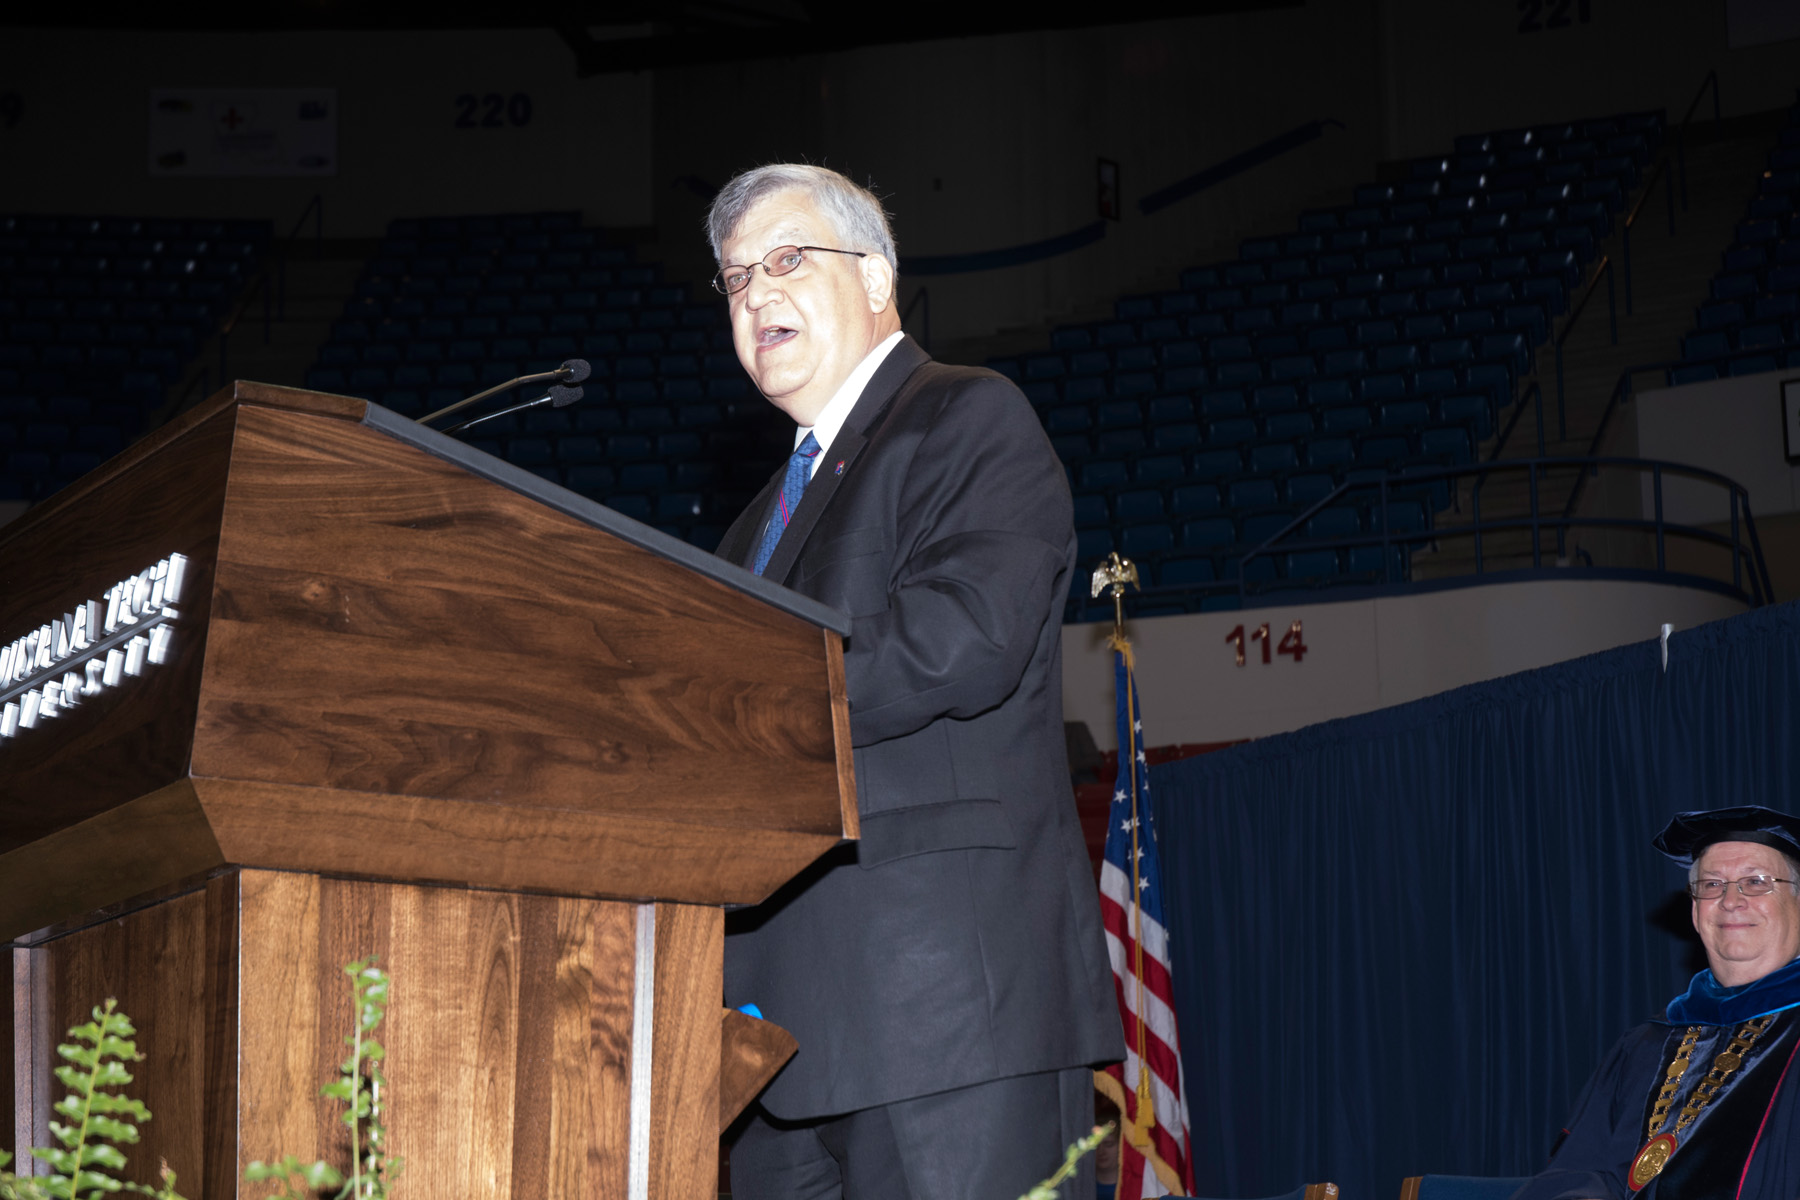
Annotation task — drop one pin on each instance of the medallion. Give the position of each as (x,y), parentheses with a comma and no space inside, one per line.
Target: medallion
(1651,1160)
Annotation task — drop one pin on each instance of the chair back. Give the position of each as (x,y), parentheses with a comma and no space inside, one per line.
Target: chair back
(1310,1191)
(1461,1187)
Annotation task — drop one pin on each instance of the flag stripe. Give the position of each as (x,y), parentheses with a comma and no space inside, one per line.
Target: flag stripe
(1154,1161)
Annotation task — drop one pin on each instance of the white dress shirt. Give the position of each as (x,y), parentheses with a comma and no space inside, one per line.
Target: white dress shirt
(831,417)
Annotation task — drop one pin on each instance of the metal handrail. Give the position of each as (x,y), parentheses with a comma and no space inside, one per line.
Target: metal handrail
(1742,541)
(262,283)
(1621,393)
(316,209)
(271,285)
(203,378)
(1604,267)
(1534,390)
(1711,80)
(1661,172)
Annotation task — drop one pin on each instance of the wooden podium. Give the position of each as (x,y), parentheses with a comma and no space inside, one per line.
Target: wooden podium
(295,680)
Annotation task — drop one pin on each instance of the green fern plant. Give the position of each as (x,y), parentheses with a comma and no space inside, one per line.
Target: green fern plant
(99,1119)
(361,1086)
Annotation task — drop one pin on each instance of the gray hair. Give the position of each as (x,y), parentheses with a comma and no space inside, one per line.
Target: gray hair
(855,211)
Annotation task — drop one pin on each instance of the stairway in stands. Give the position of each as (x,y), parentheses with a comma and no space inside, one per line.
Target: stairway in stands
(1670,278)
(99,315)
(320,275)
(1382,340)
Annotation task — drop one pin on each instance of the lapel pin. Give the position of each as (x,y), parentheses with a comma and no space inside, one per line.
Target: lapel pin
(839,469)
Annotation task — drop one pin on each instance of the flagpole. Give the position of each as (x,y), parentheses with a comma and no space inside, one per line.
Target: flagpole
(1116,573)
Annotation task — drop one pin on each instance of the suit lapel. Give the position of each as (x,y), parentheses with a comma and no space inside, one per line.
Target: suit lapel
(840,458)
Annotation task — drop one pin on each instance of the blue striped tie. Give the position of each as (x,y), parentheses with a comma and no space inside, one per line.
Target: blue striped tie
(798,473)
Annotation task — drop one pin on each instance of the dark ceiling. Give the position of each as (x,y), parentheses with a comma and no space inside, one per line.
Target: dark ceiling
(611,37)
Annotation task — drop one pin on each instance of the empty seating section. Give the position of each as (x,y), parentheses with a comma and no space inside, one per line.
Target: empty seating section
(1751,321)
(669,432)
(1384,336)
(98,316)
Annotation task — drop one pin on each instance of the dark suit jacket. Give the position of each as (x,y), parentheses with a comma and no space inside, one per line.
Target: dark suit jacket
(959,940)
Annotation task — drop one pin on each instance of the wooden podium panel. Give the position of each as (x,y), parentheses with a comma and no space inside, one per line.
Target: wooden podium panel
(411,701)
(509,1036)
(387,664)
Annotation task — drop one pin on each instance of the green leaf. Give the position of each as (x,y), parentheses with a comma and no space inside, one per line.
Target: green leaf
(107,1102)
(100,1154)
(320,1175)
(80,1055)
(94,1181)
(111,1130)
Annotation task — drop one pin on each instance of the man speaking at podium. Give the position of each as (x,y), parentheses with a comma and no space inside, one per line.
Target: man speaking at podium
(945,976)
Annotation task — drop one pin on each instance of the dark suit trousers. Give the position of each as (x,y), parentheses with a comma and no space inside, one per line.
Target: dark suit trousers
(991,1141)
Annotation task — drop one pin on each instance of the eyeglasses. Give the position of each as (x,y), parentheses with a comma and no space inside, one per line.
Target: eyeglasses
(1749,885)
(779,261)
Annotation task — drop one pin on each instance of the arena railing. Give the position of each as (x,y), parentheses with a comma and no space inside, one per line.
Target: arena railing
(1747,578)
(1742,543)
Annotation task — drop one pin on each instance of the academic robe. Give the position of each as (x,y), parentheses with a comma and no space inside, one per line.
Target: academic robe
(1744,1145)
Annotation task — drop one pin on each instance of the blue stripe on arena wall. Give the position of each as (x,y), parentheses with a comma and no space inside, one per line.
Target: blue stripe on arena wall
(1181,189)
(1009,256)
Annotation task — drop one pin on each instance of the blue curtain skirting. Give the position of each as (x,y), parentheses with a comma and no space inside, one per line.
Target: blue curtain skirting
(1403,940)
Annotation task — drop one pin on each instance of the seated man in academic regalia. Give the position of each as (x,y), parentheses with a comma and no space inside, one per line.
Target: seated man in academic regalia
(1707,1102)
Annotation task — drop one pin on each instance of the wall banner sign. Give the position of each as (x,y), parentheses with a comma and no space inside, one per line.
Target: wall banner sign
(92,649)
(235,132)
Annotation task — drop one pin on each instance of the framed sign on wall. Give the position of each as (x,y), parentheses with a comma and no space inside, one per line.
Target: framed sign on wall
(1790,418)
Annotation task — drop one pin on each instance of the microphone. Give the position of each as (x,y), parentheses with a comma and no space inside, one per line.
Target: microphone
(557,397)
(573,371)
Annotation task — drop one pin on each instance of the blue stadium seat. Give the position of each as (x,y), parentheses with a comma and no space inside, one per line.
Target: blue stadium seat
(1208,532)
(1138,505)
(1273,457)
(1159,468)
(1380,448)
(1193,499)
(1165,409)
(1288,425)
(1275,397)
(1227,431)
(1338,521)
(1330,451)
(1214,461)
(1224,402)
(1469,408)
(1139,540)
(1311,565)
(1091,544)
(1105,473)
(1186,570)
(1451,443)
(1258,528)
(1303,488)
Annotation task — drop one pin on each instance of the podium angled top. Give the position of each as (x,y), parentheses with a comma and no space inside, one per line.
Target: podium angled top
(298,631)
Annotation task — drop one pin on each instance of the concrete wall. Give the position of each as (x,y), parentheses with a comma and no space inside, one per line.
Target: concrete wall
(979,143)
(1732,426)
(1361,654)
(81,146)
(1645,54)
(984,143)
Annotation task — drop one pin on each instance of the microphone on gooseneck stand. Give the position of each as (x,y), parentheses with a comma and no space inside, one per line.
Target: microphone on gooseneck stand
(573,371)
(557,397)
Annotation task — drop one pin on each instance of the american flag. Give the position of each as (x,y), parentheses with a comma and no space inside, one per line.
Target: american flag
(1155,1151)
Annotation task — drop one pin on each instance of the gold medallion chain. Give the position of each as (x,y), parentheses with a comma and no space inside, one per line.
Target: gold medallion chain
(1724,1063)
